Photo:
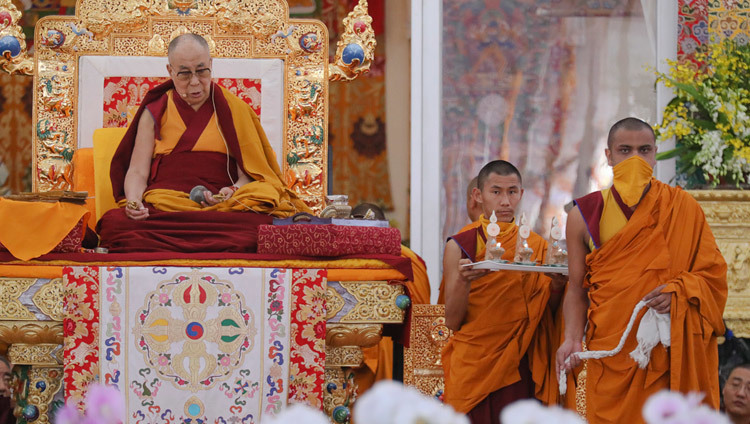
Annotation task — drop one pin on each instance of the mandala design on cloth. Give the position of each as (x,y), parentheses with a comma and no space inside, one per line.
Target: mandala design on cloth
(204,319)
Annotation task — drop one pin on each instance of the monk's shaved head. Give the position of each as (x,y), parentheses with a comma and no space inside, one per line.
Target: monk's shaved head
(499,167)
(628,124)
(184,39)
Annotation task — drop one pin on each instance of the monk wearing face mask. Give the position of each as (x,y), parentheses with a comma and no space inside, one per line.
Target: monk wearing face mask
(641,240)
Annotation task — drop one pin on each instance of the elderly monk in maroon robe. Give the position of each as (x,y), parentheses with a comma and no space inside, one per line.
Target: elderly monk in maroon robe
(188,133)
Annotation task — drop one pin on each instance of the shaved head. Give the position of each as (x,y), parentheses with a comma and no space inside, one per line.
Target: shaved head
(185,39)
(499,167)
(628,124)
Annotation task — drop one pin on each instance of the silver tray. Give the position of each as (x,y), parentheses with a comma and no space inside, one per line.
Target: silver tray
(499,266)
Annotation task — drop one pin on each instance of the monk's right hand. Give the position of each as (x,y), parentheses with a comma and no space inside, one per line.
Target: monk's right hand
(138,213)
(468,274)
(568,348)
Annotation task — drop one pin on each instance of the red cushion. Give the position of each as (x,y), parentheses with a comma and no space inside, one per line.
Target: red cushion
(328,240)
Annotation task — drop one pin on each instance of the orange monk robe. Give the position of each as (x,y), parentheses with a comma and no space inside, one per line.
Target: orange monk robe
(441,293)
(378,363)
(665,241)
(507,318)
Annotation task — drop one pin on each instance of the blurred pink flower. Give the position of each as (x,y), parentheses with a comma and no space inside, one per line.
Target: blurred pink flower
(705,415)
(68,414)
(104,404)
(694,399)
(664,405)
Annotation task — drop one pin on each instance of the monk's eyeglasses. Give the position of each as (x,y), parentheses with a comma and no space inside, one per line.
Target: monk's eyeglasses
(185,76)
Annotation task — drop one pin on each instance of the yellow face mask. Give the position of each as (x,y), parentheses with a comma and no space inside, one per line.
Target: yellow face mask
(631,178)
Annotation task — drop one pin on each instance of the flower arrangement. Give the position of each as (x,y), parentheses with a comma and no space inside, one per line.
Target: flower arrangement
(104,405)
(709,115)
(667,407)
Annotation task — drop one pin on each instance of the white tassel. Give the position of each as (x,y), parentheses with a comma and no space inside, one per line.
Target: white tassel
(653,328)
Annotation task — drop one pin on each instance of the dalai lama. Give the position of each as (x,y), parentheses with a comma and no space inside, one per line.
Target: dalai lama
(192,136)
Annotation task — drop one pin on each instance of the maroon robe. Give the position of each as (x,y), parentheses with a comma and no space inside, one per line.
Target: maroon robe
(181,170)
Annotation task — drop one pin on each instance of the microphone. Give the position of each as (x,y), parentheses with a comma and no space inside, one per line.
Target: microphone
(197,194)
(183,94)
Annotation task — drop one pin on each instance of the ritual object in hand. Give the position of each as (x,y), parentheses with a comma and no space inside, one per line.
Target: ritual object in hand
(523,251)
(557,252)
(494,250)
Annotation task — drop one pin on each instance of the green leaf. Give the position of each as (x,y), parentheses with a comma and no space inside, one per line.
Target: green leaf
(693,92)
(669,154)
(706,125)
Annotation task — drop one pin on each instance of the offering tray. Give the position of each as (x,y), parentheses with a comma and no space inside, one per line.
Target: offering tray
(499,266)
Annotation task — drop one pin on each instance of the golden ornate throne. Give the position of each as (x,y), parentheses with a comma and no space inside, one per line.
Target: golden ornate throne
(68,52)
(75,66)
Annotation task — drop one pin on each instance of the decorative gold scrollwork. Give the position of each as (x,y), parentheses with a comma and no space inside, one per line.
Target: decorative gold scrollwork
(376,302)
(39,386)
(13,55)
(728,215)
(49,299)
(334,302)
(29,332)
(362,335)
(344,356)
(44,354)
(341,391)
(422,365)
(11,290)
(355,49)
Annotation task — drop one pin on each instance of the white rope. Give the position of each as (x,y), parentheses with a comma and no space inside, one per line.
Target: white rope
(654,328)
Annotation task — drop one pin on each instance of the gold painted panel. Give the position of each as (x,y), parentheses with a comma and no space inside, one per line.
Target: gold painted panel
(49,299)
(43,354)
(11,290)
(728,214)
(375,302)
(423,367)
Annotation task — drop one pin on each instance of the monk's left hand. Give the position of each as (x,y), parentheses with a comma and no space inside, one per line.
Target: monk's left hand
(213,199)
(658,301)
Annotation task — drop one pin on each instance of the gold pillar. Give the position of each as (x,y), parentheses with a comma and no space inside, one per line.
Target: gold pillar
(355,314)
(728,215)
(31,336)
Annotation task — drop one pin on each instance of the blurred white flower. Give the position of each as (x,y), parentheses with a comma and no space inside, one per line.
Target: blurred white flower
(668,407)
(390,402)
(705,415)
(530,411)
(664,405)
(694,399)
